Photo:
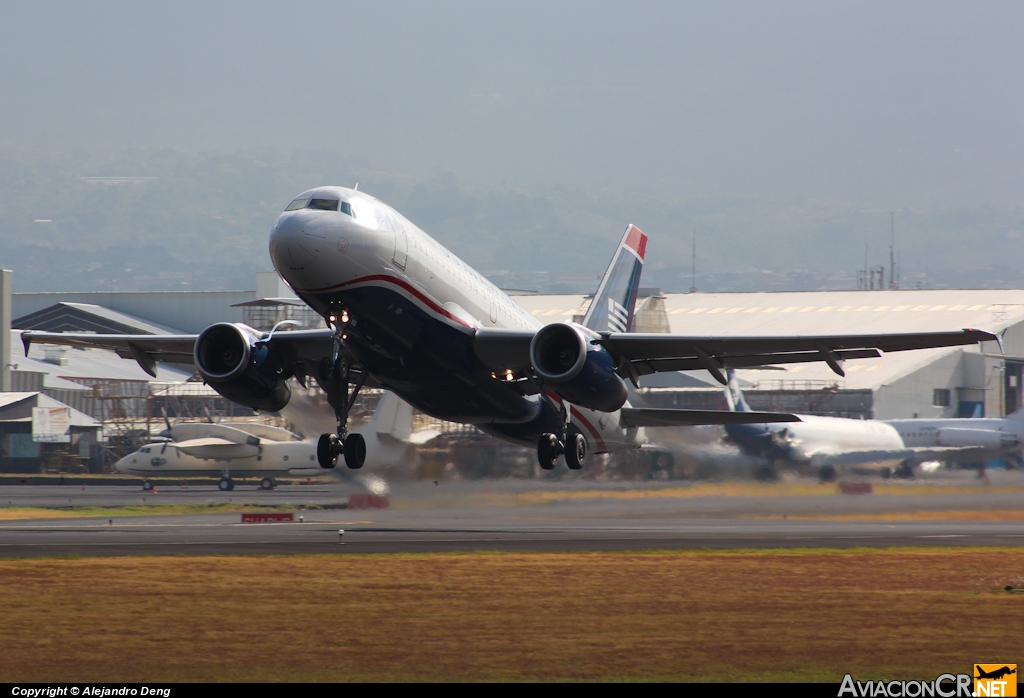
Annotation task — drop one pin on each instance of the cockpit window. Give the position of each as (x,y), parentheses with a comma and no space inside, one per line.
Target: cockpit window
(323,204)
(297,204)
(346,207)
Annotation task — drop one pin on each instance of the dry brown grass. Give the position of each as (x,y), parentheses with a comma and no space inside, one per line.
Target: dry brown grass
(636,616)
(941,515)
(703,489)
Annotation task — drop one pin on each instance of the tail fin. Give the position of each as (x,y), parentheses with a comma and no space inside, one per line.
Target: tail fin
(733,394)
(613,304)
(393,417)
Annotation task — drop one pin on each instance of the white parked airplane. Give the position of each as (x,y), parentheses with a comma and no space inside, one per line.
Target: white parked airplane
(406,314)
(238,449)
(827,445)
(996,435)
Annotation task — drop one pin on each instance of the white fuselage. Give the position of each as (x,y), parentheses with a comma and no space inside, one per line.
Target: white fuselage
(990,433)
(814,436)
(323,254)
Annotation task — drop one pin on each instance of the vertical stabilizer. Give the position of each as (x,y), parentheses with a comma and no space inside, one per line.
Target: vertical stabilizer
(733,394)
(613,304)
(393,417)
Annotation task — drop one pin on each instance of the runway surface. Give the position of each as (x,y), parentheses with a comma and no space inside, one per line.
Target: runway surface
(511,516)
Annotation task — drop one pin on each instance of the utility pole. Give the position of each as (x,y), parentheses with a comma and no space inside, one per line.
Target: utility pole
(6,277)
(894,283)
(693,266)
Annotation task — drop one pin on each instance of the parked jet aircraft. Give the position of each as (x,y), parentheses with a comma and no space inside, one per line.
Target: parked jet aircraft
(238,449)
(405,313)
(995,435)
(830,444)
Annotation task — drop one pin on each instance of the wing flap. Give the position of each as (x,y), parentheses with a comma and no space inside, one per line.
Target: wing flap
(653,417)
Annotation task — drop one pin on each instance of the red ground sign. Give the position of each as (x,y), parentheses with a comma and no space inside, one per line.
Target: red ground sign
(367,501)
(267,518)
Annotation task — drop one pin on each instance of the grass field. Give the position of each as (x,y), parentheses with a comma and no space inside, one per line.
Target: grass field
(800,615)
(18,513)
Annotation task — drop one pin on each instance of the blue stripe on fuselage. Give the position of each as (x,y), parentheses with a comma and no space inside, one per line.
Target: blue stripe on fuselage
(427,361)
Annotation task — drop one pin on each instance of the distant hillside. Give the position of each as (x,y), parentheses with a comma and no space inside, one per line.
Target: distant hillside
(168,220)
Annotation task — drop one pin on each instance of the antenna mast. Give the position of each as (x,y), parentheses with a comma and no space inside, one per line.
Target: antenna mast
(693,266)
(894,283)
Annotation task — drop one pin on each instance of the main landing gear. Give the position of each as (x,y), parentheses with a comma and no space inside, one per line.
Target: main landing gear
(334,379)
(572,444)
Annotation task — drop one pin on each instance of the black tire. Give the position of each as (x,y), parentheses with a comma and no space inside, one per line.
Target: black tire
(576,451)
(547,451)
(355,451)
(226,484)
(267,483)
(147,486)
(326,455)
(827,473)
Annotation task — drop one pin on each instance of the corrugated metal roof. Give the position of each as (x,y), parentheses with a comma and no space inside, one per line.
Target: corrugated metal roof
(825,312)
(78,419)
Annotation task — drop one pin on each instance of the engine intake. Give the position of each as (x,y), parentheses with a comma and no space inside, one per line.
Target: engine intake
(233,364)
(581,372)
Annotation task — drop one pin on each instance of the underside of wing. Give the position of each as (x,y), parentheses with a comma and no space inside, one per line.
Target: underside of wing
(653,417)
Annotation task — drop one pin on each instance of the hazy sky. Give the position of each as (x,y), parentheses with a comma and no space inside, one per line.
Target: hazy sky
(888,104)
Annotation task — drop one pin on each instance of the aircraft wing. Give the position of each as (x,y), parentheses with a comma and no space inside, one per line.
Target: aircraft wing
(641,354)
(656,417)
(216,448)
(307,346)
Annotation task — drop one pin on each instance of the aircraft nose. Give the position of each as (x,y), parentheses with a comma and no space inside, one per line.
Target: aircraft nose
(298,238)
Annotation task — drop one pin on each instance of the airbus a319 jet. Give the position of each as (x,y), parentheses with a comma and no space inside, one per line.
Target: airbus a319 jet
(406,314)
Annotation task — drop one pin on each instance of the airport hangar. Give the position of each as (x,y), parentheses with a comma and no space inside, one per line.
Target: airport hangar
(947,382)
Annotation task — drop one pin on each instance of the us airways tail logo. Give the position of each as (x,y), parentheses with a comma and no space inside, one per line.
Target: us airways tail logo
(995,680)
(617,316)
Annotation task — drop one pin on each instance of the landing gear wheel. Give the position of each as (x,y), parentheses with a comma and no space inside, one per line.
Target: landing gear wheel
(327,450)
(576,451)
(147,486)
(268,483)
(548,451)
(827,473)
(226,484)
(355,451)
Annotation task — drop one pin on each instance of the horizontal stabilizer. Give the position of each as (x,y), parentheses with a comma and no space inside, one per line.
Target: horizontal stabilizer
(652,417)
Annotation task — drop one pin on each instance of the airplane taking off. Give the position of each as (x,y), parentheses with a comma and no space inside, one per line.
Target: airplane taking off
(240,449)
(406,314)
(829,444)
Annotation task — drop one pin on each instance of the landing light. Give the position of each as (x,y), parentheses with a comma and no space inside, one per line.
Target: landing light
(344,316)
(508,374)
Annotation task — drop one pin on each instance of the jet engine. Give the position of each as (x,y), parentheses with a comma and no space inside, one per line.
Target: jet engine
(579,371)
(232,362)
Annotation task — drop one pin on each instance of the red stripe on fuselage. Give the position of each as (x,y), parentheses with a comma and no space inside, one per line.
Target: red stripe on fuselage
(637,241)
(426,300)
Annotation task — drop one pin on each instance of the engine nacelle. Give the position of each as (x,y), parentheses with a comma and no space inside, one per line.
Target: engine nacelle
(579,371)
(981,438)
(231,362)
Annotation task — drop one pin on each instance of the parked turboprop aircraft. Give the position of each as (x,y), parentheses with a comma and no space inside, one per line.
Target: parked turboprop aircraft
(239,449)
(830,444)
(406,314)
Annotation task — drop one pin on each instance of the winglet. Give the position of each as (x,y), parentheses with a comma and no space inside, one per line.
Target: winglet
(615,299)
(26,341)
